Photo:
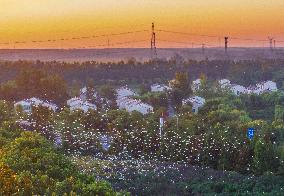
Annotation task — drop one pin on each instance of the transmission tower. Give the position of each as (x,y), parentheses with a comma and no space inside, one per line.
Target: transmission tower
(226,43)
(153,42)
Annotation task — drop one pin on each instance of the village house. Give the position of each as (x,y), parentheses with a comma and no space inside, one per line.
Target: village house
(27,104)
(83,94)
(160,88)
(125,92)
(130,105)
(267,86)
(262,87)
(238,89)
(224,83)
(196,102)
(124,101)
(78,104)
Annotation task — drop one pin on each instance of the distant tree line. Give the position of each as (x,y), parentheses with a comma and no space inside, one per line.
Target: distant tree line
(241,72)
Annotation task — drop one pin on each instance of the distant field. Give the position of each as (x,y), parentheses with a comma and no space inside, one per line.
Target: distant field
(141,54)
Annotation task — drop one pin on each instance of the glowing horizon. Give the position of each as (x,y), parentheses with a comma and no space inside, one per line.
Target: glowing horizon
(29,20)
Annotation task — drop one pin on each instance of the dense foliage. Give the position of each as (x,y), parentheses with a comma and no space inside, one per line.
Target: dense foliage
(31,165)
(204,183)
(216,137)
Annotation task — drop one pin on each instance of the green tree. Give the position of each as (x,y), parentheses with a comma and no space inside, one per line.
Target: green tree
(108,91)
(264,157)
(279,112)
(5,111)
(90,90)
(8,91)
(42,117)
(53,88)
(8,183)
(33,153)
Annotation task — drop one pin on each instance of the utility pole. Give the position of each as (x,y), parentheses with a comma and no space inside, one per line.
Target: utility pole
(177,122)
(153,42)
(274,44)
(270,39)
(108,47)
(162,121)
(203,49)
(226,43)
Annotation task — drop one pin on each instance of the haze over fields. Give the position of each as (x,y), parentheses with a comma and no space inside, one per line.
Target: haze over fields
(140,54)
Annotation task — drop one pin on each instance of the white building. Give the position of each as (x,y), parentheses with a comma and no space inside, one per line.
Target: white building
(267,86)
(196,84)
(83,94)
(125,92)
(195,101)
(124,101)
(262,87)
(78,104)
(29,103)
(238,89)
(131,105)
(160,88)
(74,101)
(224,83)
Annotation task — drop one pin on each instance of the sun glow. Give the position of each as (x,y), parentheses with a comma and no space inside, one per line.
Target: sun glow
(22,22)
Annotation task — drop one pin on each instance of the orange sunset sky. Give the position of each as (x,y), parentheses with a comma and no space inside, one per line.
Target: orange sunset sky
(25,21)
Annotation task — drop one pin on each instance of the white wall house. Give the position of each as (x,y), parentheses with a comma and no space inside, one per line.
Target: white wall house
(224,83)
(262,87)
(160,88)
(196,102)
(131,105)
(267,86)
(78,104)
(29,103)
(125,92)
(196,84)
(238,89)
(25,105)
(83,94)
(124,101)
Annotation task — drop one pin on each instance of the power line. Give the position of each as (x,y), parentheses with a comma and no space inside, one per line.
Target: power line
(187,43)
(248,39)
(184,33)
(107,51)
(212,36)
(117,43)
(153,39)
(74,38)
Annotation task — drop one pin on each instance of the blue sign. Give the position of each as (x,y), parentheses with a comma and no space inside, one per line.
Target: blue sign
(250,133)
